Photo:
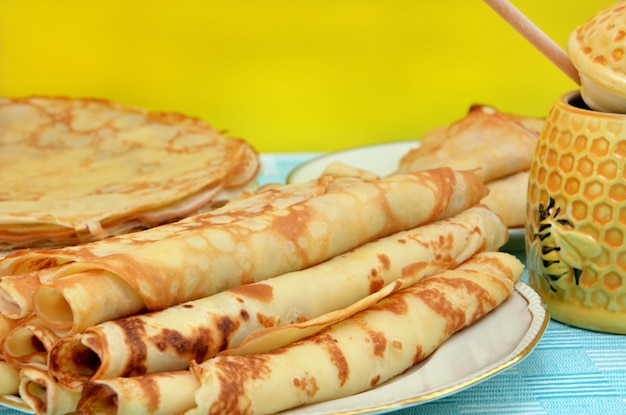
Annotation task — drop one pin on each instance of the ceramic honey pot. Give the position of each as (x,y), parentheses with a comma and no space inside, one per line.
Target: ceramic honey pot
(576,216)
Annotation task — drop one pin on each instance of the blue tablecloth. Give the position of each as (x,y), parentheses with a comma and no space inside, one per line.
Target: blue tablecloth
(571,371)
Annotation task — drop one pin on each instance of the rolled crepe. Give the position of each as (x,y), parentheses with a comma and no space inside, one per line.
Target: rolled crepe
(350,356)
(507,198)
(202,328)
(202,261)
(17,291)
(360,352)
(44,395)
(137,395)
(28,344)
(496,143)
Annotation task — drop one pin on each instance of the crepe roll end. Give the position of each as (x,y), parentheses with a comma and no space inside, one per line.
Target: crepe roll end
(53,308)
(22,347)
(41,392)
(12,306)
(73,303)
(163,393)
(73,363)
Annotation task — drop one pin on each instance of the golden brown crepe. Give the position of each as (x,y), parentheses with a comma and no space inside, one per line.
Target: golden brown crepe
(353,355)
(496,143)
(507,198)
(44,395)
(200,329)
(27,344)
(76,170)
(199,260)
(164,393)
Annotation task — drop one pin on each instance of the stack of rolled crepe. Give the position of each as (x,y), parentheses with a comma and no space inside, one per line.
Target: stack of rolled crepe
(267,270)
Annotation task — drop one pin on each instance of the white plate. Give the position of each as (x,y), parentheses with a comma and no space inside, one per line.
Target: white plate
(381,159)
(497,342)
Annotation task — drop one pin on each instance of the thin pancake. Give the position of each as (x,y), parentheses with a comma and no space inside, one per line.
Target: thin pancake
(496,143)
(507,198)
(75,170)
(28,344)
(42,393)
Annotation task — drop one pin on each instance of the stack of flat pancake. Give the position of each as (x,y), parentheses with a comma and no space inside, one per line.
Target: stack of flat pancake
(350,269)
(78,170)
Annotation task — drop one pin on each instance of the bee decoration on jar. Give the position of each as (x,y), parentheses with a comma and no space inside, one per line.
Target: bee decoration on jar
(558,249)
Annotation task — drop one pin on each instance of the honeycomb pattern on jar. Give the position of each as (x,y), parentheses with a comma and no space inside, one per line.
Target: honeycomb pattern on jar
(582,168)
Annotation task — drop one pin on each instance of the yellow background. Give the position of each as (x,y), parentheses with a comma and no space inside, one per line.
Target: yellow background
(290,75)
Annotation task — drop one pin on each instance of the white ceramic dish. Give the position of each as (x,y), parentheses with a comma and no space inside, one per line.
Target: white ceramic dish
(381,159)
(497,342)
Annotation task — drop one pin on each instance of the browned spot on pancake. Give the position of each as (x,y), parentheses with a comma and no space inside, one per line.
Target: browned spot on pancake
(446,244)
(226,327)
(394,304)
(376,281)
(307,384)
(233,374)
(260,292)
(419,355)
(334,354)
(396,344)
(437,301)
(455,316)
(37,345)
(135,335)
(243,313)
(187,305)
(266,321)
(378,342)
(150,393)
(375,380)
(193,347)
(485,301)
(384,261)
(292,227)
(414,268)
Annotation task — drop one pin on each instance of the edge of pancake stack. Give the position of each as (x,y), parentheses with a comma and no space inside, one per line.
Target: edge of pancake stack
(78,170)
